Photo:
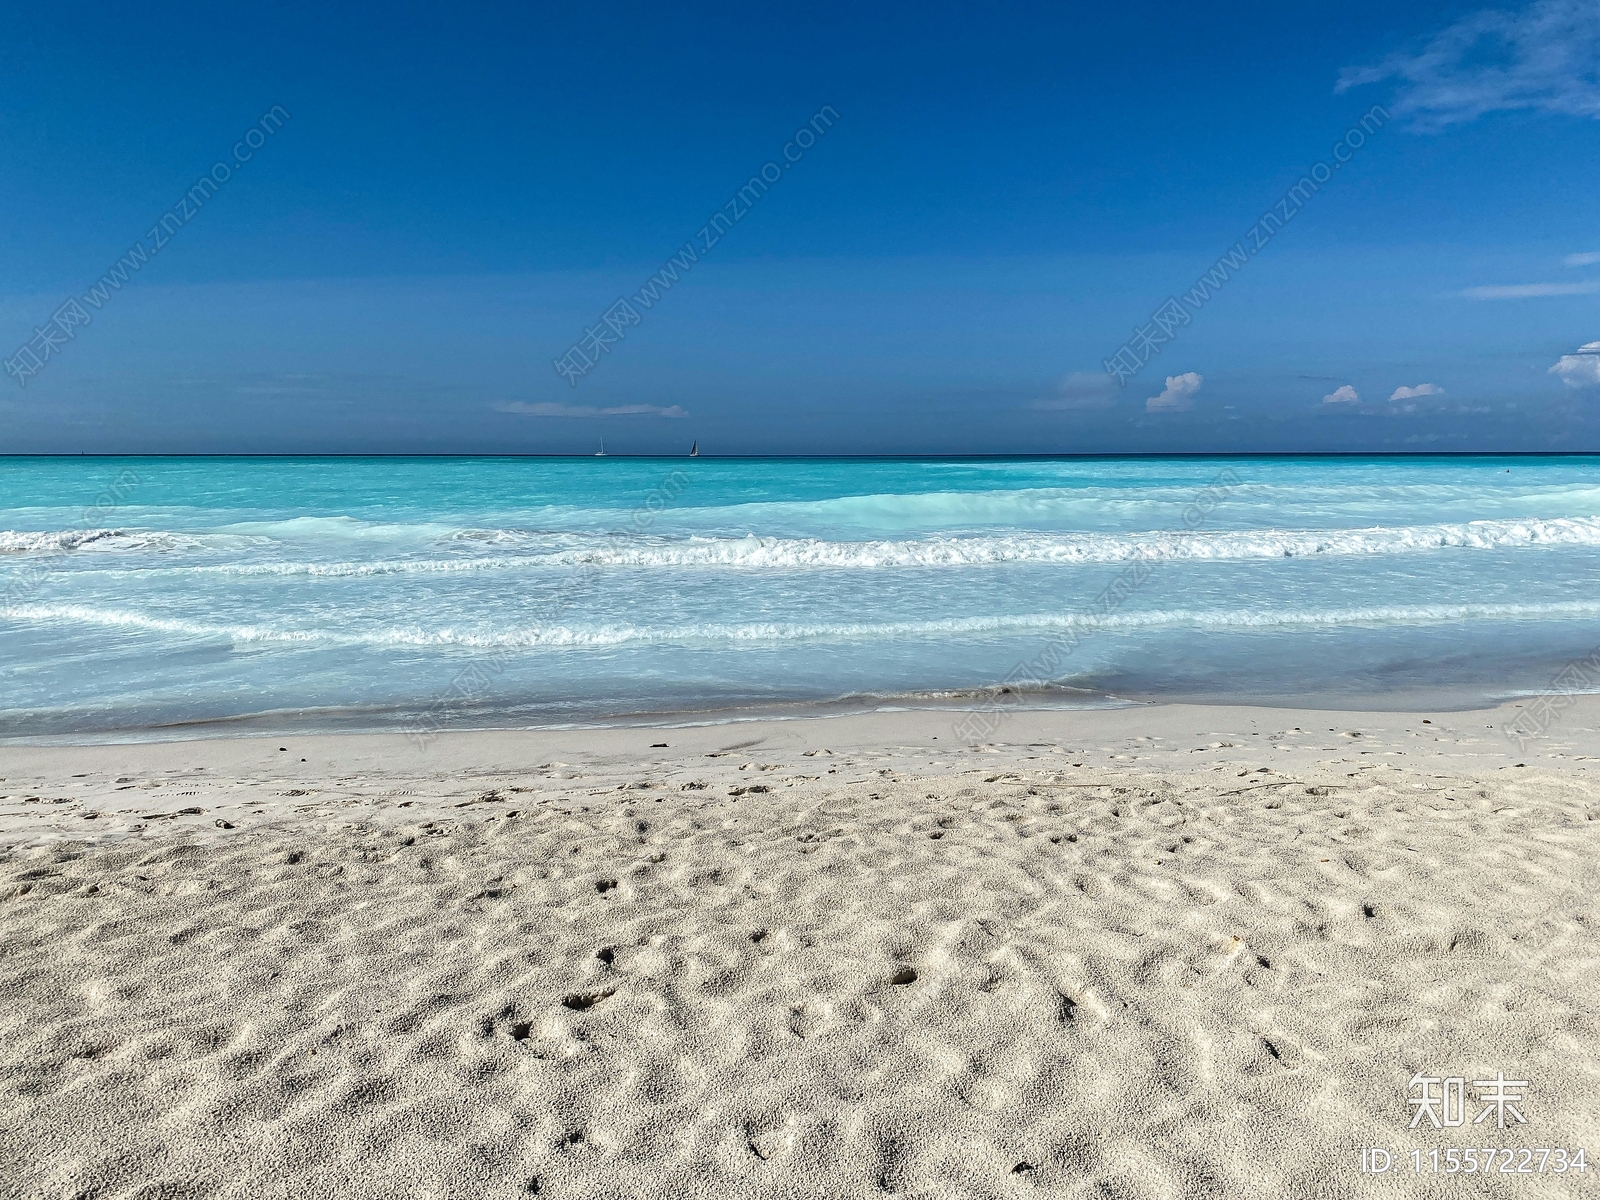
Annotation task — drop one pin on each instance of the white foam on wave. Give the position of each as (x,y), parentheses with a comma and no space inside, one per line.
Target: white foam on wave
(59,541)
(790,553)
(752,553)
(781,632)
(308,529)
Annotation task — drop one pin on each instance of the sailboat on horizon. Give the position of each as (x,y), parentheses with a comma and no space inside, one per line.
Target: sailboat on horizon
(694,450)
(601,453)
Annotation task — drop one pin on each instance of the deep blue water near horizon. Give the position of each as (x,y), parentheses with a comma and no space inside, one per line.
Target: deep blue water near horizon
(149,595)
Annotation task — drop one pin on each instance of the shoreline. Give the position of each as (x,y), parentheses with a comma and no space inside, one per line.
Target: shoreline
(953,702)
(222,776)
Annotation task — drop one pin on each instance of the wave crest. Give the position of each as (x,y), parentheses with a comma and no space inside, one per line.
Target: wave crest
(758,553)
(533,637)
(523,549)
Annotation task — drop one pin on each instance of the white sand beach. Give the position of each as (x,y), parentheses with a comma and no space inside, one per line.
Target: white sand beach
(1149,952)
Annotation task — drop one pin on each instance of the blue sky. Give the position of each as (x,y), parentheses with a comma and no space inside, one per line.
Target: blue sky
(422,208)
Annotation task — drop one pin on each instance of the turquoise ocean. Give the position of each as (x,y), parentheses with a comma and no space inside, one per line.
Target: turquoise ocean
(152,596)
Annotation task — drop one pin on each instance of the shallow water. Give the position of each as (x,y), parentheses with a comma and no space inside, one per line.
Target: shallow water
(149,593)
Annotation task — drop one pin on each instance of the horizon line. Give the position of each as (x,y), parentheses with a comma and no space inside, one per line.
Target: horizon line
(902,457)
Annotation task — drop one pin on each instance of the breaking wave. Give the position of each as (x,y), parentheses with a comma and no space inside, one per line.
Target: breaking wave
(797,553)
(556,636)
(540,549)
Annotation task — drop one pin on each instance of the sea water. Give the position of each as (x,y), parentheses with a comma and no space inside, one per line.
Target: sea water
(155,595)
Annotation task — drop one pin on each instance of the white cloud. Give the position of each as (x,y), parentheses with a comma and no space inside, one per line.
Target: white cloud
(1422,389)
(1581,369)
(1082,389)
(1178,395)
(1343,394)
(1522,291)
(1545,58)
(524,409)
(1582,260)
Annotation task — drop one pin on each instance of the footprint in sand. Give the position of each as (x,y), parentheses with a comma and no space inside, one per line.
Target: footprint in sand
(583,1001)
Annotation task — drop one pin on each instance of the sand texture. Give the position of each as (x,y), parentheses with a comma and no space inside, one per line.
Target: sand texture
(823,958)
